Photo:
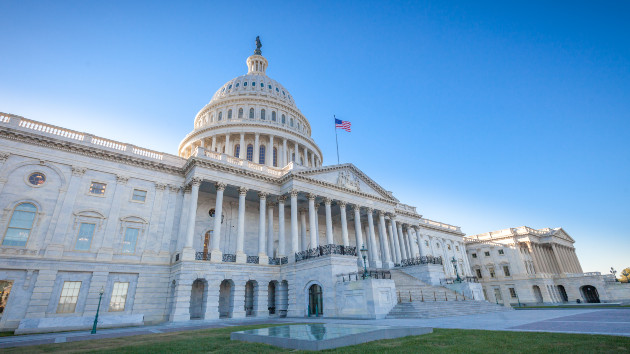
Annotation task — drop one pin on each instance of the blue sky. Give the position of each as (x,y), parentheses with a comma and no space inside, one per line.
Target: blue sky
(485,115)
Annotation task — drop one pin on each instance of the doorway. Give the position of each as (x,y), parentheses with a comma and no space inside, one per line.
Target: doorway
(315,301)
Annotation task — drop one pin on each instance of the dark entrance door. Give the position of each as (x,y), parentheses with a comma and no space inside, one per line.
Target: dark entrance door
(590,294)
(315,302)
(563,293)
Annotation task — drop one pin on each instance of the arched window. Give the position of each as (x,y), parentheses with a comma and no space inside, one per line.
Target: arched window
(212,118)
(237,150)
(240,113)
(251,113)
(275,157)
(220,116)
(261,155)
(291,122)
(284,119)
(230,114)
(245,83)
(20,225)
(262,114)
(273,116)
(250,152)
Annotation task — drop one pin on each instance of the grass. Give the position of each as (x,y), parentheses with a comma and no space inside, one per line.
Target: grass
(440,341)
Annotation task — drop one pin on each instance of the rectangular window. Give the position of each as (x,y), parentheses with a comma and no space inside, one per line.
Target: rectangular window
(513,292)
(129,242)
(119,296)
(500,251)
(84,238)
(474,255)
(478,271)
(487,254)
(97,188)
(456,248)
(491,270)
(139,195)
(506,271)
(69,297)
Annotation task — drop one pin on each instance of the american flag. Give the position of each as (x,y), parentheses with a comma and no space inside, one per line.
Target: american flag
(343,124)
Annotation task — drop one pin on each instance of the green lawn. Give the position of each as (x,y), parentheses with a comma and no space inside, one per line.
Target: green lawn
(442,341)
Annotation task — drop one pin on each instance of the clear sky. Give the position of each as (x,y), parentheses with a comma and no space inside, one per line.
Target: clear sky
(483,115)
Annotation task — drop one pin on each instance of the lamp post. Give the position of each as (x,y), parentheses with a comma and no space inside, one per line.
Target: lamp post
(364,252)
(100,297)
(454,261)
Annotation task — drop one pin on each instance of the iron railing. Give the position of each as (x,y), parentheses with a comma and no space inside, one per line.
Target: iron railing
(359,275)
(229,257)
(461,280)
(324,251)
(201,256)
(421,260)
(252,259)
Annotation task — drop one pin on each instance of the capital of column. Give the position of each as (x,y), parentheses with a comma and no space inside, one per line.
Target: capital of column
(327,201)
(356,207)
(303,210)
(342,204)
(242,190)
(220,186)
(381,213)
(282,199)
(160,186)
(195,181)
(370,210)
(187,189)
(257,135)
(173,188)
(311,196)
(294,192)
(263,195)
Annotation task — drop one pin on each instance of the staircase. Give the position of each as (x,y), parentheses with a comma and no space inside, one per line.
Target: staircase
(417,299)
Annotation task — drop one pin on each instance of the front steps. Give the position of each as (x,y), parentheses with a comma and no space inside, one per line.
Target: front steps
(417,299)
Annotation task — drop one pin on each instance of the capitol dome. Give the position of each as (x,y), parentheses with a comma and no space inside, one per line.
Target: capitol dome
(256,112)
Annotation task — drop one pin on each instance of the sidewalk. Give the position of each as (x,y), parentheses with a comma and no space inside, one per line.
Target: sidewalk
(588,321)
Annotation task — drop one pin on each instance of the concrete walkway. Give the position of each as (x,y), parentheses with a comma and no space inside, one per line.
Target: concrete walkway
(589,321)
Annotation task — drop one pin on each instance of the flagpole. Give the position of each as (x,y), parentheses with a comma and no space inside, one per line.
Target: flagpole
(336,139)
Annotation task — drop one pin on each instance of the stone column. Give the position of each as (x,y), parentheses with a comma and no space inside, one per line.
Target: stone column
(256,148)
(376,262)
(214,143)
(212,300)
(281,238)
(392,232)
(413,241)
(294,225)
(189,253)
(242,153)
(344,224)
(216,254)
(329,231)
(241,257)
(357,232)
(228,150)
(303,240)
(312,159)
(387,261)
(270,152)
(261,228)
(408,242)
(284,153)
(152,243)
(532,253)
(561,267)
(401,242)
(297,153)
(270,237)
(312,219)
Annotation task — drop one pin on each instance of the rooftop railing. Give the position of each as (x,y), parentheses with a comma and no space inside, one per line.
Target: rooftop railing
(245,164)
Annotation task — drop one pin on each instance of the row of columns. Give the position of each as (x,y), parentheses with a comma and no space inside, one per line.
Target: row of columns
(397,241)
(554,259)
(288,151)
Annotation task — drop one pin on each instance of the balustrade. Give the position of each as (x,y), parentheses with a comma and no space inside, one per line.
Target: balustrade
(324,251)
(421,260)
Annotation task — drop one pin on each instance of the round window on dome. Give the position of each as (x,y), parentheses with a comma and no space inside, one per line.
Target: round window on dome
(230,87)
(237,84)
(36,179)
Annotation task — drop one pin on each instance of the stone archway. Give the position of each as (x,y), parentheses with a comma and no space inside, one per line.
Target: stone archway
(315,301)
(563,293)
(251,288)
(272,298)
(590,294)
(198,294)
(538,294)
(226,298)
(282,300)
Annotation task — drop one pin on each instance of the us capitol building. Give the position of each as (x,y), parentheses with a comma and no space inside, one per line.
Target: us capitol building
(246,221)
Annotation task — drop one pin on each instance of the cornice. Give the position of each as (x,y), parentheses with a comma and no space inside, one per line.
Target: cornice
(90,151)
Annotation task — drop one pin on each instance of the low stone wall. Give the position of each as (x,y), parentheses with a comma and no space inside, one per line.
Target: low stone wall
(368,298)
(50,324)
(428,273)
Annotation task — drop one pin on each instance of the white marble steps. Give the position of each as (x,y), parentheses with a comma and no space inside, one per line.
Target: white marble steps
(408,286)
(434,309)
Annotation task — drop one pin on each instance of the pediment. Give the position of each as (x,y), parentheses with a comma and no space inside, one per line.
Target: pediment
(560,233)
(349,177)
